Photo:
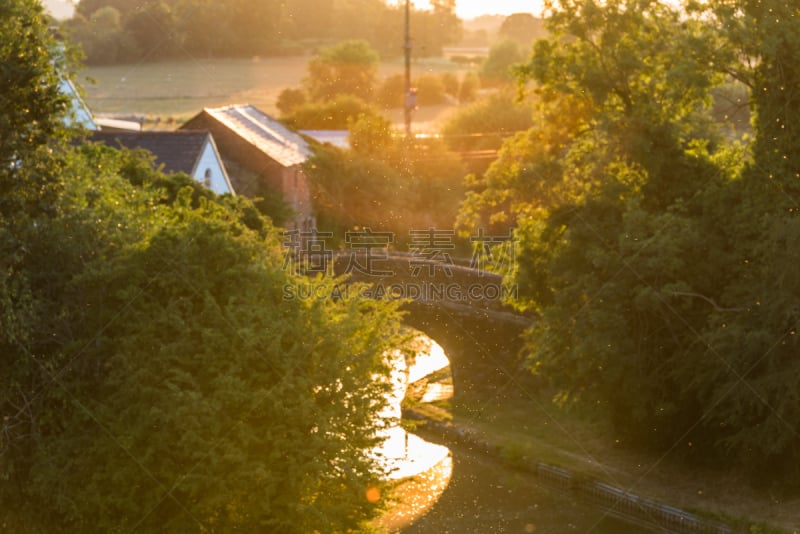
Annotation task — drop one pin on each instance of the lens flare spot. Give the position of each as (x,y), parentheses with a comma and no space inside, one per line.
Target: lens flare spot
(373,494)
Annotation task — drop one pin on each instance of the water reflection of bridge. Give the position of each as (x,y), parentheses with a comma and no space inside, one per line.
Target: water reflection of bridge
(458,306)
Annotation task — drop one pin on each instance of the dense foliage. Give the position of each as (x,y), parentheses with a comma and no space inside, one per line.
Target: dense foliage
(657,251)
(350,67)
(384,183)
(495,70)
(342,84)
(118,31)
(31,109)
(523,28)
(483,124)
(154,375)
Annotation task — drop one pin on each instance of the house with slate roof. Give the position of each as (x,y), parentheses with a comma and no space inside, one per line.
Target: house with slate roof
(272,155)
(190,152)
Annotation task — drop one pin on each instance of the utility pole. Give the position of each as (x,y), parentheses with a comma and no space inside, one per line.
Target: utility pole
(410,94)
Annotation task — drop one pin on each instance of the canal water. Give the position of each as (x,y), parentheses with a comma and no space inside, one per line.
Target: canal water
(458,491)
(485,497)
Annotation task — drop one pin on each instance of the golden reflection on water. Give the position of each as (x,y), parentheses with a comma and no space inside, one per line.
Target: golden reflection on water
(430,359)
(413,497)
(421,469)
(407,455)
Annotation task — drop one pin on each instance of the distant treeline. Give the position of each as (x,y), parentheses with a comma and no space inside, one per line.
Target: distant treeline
(112,31)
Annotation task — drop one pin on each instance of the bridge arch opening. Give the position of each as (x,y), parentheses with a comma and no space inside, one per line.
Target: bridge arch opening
(421,468)
(429,375)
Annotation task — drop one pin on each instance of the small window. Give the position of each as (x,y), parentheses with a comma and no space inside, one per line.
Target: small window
(207,178)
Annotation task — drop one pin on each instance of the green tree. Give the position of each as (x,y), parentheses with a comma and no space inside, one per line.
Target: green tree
(433,29)
(348,68)
(522,28)
(384,184)
(468,90)
(757,410)
(153,328)
(496,68)
(152,29)
(372,21)
(643,238)
(430,90)
(31,109)
(371,135)
(174,349)
(309,19)
(483,124)
(450,82)
(244,28)
(32,135)
(768,36)
(255,27)
(156,29)
(207,27)
(290,99)
(391,91)
(101,37)
(334,114)
(656,254)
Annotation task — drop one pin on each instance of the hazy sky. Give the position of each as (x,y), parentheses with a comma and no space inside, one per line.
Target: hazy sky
(469,9)
(61,9)
(466,9)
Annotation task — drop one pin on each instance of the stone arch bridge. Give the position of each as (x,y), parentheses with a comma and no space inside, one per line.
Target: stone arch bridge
(458,306)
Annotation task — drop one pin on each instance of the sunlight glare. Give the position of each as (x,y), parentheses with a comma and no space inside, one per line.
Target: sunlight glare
(428,362)
(470,9)
(407,455)
(404,454)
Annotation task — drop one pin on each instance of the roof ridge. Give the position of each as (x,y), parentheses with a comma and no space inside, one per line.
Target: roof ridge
(274,131)
(264,132)
(155,132)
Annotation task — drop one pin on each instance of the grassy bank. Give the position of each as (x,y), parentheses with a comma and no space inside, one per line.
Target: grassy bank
(528,427)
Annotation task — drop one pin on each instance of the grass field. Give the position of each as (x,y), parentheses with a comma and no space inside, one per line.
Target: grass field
(179,89)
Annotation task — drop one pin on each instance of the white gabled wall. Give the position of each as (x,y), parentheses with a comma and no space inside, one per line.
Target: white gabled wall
(210,172)
(78,114)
